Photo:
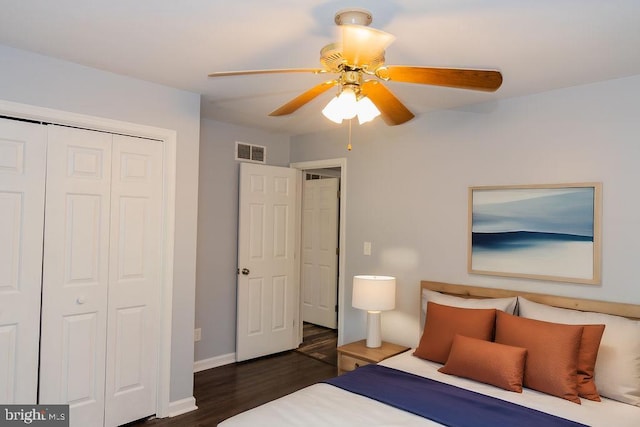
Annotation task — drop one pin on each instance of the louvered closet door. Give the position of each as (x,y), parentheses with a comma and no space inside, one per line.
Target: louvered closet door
(22,169)
(134,280)
(75,273)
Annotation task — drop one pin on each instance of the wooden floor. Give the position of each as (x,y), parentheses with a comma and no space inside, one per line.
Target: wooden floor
(228,390)
(320,343)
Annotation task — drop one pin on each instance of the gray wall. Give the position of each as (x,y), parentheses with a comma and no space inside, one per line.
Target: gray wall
(45,82)
(217,230)
(407,189)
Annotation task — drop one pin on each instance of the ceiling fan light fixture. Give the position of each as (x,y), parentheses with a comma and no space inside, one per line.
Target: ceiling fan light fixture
(332,110)
(367,110)
(346,106)
(348,103)
(342,107)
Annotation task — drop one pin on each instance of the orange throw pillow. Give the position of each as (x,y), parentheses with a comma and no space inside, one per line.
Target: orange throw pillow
(552,353)
(444,322)
(488,362)
(589,346)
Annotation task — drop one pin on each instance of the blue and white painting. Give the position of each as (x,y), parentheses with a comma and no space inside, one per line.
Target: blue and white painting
(546,232)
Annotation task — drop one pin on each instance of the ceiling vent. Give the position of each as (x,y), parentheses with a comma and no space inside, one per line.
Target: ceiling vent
(250,152)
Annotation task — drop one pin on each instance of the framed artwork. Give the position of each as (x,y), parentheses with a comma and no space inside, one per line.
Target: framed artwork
(547,232)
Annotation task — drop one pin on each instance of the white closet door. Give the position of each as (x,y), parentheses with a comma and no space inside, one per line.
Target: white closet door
(134,280)
(22,169)
(75,276)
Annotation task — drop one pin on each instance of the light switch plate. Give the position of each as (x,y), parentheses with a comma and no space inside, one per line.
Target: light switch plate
(367,248)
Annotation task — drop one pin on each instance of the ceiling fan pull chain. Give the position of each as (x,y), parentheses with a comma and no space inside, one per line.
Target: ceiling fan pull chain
(349,145)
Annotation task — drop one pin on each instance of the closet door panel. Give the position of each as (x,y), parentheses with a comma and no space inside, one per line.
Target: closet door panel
(79,349)
(75,272)
(134,279)
(22,179)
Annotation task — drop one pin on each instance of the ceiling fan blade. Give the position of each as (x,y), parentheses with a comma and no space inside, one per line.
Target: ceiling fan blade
(487,80)
(275,71)
(393,111)
(361,45)
(302,99)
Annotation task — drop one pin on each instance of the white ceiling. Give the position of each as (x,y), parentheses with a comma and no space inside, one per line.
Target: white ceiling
(538,45)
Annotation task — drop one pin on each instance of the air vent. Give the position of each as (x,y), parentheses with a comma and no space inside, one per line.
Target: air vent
(250,152)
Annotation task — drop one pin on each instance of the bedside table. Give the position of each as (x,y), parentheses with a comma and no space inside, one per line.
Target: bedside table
(356,354)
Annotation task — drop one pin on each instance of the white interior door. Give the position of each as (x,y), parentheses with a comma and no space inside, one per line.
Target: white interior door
(319,251)
(75,273)
(267,290)
(22,170)
(134,280)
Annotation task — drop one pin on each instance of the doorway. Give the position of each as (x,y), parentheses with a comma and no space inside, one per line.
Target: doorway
(319,243)
(334,167)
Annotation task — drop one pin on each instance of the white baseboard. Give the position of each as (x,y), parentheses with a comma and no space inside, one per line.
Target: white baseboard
(182,406)
(214,362)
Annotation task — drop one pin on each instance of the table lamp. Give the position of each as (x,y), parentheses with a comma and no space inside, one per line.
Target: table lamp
(374,294)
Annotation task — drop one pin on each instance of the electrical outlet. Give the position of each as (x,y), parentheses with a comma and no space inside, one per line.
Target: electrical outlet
(197,334)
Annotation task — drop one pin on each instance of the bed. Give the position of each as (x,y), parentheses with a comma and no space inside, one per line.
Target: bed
(616,371)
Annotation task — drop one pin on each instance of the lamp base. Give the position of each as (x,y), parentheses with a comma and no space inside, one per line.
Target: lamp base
(374,339)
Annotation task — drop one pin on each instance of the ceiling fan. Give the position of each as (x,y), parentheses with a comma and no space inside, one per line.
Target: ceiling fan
(359,62)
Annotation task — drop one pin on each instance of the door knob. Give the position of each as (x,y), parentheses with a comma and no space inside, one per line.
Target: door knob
(245,271)
(81,300)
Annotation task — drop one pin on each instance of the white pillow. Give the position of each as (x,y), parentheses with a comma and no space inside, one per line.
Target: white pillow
(508,305)
(617,372)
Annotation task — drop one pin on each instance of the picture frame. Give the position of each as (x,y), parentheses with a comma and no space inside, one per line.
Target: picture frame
(546,232)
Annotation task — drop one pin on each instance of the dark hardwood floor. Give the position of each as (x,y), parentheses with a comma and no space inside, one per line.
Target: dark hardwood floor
(320,343)
(228,390)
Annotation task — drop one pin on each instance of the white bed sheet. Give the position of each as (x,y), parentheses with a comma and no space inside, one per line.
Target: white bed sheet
(325,405)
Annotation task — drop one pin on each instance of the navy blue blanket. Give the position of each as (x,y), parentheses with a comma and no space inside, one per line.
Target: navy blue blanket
(444,403)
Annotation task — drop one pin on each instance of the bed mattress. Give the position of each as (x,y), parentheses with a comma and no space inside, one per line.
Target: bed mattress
(323,404)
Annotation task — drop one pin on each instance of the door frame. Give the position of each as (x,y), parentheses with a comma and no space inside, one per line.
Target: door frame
(167,137)
(342,225)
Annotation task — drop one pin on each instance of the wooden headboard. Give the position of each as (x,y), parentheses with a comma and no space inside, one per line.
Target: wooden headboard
(631,311)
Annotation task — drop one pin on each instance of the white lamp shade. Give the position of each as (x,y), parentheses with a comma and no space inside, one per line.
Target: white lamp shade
(367,110)
(332,111)
(342,107)
(374,293)
(348,103)
(346,106)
